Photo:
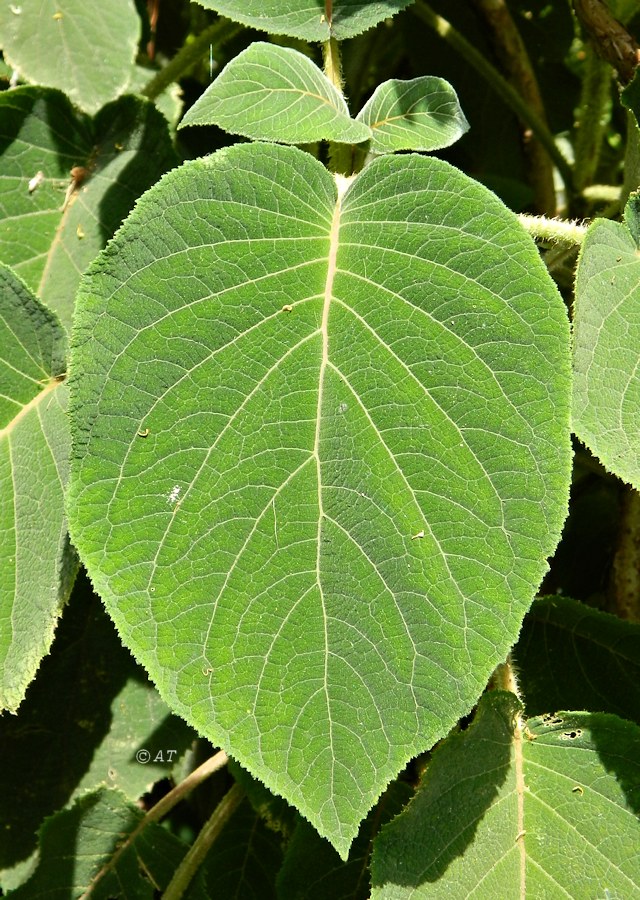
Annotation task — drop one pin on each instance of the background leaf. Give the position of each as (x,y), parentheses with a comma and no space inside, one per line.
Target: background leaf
(572,656)
(606,335)
(306,18)
(96,827)
(38,565)
(88,712)
(277,94)
(306,485)
(49,231)
(498,815)
(421,114)
(85,50)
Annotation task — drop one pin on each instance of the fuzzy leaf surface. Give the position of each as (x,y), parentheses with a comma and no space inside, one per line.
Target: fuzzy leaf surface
(84,49)
(606,395)
(321,456)
(421,114)
(38,566)
(307,19)
(276,94)
(503,814)
(52,226)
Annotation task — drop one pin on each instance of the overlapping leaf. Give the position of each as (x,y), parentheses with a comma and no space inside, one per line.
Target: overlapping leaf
(571,655)
(606,395)
(277,94)
(87,50)
(37,564)
(550,812)
(421,114)
(308,19)
(53,222)
(320,456)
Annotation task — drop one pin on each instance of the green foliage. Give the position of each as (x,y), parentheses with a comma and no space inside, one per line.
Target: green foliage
(316,455)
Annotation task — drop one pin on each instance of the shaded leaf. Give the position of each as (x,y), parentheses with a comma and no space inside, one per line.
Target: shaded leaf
(84,49)
(421,114)
(277,94)
(606,335)
(572,656)
(307,18)
(38,565)
(85,851)
(83,721)
(500,814)
(306,484)
(52,225)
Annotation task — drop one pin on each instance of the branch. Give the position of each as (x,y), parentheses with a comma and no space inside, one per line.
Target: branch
(611,40)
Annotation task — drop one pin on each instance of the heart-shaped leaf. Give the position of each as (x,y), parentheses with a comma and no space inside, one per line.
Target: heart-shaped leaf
(276,94)
(421,114)
(38,566)
(606,336)
(85,50)
(503,811)
(312,20)
(69,182)
(321,456)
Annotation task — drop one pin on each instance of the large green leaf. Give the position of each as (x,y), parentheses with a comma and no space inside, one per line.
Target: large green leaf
(276,94)
(606,332)
(37,564)
(570,655)
(421,114)
(86,51)
(321,456)
(50,227)
(308,19)
(550,811)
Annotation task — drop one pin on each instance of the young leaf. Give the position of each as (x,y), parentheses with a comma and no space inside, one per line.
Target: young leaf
(87,851)
(548,812)
(69,182)
(421,114)
(87,713)
(38,565)
(606,335)
(320,456)
(573,656)
(85,51)
(308,19)
(276,94)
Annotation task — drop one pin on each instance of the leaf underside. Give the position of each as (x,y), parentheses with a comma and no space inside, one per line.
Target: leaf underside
(316,475)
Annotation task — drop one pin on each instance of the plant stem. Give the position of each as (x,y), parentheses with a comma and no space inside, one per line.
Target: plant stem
(185,872)
(190,53)
(500,85)
(625,576)
(595,94)
(602,193)
(340,155)
(555,231)
(514,60)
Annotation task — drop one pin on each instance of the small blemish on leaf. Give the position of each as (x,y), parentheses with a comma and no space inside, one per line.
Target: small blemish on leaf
(571,735)
(80,232)
(287,307)
(207,671)
(36,181)
(143,432)
(419,535)
(118,147)
(174,494)
(16,10)
(57,16)
(519,836)
(577,790)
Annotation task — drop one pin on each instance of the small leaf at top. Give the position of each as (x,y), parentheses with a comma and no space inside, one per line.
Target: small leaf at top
(38,565)
(606,337)
(276,94)
(86,50)
(421,114)
(312,20)
(549,810)
(320,464)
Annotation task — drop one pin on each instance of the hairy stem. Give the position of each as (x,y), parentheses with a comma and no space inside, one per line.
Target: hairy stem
(185,872)
(499,84)
(190,53)
(594,99)
(555,231)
